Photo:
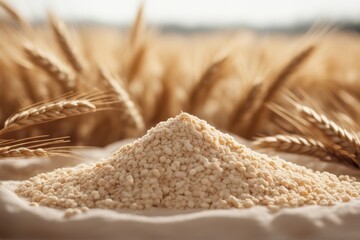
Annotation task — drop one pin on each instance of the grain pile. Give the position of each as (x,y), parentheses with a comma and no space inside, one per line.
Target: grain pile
(185,163)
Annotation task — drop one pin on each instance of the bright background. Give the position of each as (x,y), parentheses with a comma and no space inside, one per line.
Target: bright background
(195,13)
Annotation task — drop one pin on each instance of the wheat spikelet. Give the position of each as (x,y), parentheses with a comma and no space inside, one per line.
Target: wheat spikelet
(338,135)
(66,43)
(128,107)
(51,67)
(58,109)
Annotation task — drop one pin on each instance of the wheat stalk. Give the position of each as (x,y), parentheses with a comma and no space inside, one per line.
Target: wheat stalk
(66,43)
(338,135)
(50,66)
(58,109)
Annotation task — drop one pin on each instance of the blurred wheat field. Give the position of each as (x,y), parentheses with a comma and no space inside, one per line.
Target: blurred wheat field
(98,85)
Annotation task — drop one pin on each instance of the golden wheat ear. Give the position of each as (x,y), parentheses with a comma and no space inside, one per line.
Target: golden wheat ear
(66,43)
(138,28)
(51,66)
(127,107)
(64,107)
(265,92)
(211,76)
(304,146)
(14,14)
(338,135)
(39,146)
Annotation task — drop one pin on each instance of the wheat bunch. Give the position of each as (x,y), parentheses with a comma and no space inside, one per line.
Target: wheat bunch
(163,74)
(320,137)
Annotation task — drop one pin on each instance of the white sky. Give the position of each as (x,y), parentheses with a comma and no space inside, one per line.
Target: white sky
(259,13)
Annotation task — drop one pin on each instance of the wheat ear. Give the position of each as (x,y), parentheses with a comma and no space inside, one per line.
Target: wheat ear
(138,28)
(294,144)
(128,107)
(58,109)
(267,92)
(66,44)
(306,146)
(338,135)
(14,14)
(51,67)
(39,146)
(216,71)
(137,61)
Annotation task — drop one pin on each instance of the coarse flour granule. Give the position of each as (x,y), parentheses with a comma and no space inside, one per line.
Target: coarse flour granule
(184,163)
